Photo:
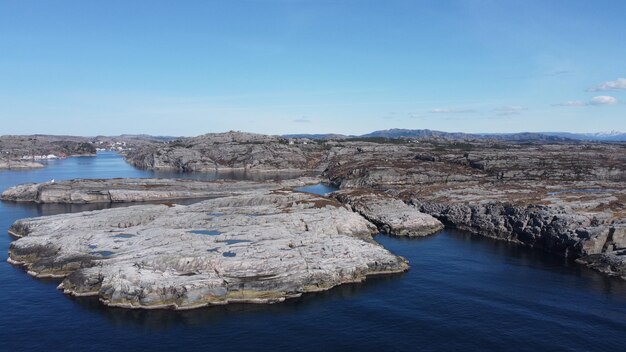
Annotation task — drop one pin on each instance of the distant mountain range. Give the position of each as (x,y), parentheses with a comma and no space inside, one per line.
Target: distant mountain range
(612,136)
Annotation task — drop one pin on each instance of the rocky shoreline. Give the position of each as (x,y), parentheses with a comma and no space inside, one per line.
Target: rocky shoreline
(85,191)
(565,198)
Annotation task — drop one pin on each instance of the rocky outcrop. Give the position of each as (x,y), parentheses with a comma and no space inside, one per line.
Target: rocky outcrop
(262,247)
(82,191)
(611,260)
(232,150)
(552,229)
(19,164)
(596,241)
(390,215)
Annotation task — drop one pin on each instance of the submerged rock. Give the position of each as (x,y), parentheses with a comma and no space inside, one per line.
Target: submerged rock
(262,247)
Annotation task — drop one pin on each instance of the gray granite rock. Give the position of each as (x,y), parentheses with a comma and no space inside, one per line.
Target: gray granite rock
(261,247)
(391,215)
(123,190)
(231,151)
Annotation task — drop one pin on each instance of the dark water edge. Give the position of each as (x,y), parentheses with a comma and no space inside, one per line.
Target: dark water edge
(463,292)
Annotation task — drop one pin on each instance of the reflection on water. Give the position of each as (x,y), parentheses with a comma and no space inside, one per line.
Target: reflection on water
(164,319)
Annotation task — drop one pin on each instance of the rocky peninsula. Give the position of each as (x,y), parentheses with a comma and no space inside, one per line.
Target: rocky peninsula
(260,247)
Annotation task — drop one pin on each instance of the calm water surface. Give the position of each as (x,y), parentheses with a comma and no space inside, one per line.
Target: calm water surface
(462,293)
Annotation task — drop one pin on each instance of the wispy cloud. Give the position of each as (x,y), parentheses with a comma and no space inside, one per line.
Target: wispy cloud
(451,111)
(572,103)
(618,84)
(509,110)
(595,101)
(603,100)
(557,73)
(553,73)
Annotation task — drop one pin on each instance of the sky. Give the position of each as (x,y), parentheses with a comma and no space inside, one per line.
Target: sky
(186,68)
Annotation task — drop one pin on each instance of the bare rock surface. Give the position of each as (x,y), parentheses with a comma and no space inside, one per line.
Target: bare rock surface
(231,150)
(390,214)
(261,247)
(120,190)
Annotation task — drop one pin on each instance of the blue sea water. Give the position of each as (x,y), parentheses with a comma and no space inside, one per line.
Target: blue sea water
(463,292)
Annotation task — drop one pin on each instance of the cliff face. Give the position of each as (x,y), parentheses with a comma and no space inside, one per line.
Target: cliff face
(232,150)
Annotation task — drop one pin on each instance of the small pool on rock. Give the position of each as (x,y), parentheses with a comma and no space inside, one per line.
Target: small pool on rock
(319,189)
(124,235)
(206,232)
(229,254)
(103,253)
(229,242)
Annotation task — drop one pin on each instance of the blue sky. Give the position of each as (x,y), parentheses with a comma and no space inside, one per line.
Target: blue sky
(270,66)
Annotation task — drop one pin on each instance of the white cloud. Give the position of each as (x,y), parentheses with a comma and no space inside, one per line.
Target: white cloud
(451,111)
(603,100)
(618,84)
